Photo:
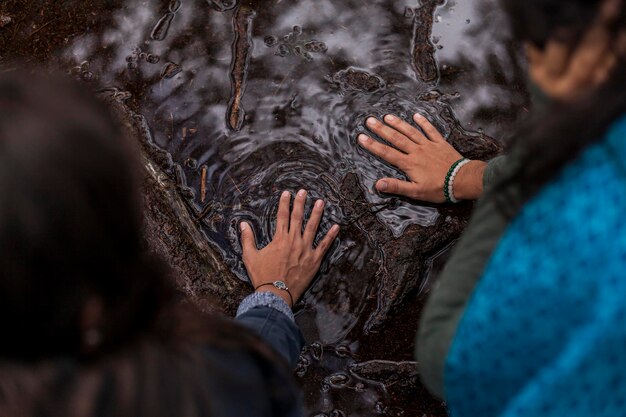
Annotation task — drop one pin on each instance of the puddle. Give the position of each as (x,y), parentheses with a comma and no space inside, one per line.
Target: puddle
(252,98)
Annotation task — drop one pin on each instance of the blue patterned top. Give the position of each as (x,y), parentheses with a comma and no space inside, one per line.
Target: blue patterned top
(544,333)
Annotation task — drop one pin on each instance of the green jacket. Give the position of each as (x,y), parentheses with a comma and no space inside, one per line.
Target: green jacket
(448,299)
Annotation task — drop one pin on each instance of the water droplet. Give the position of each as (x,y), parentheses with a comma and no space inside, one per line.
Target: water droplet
(283,50)
(222,5)
(409,13)
(271,41)
(153,59)
(297,30)
(468,21)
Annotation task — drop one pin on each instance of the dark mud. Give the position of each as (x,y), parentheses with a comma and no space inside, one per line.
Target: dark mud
(234,102)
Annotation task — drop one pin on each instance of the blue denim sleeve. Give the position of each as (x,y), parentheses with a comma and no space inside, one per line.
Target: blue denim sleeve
(271,319)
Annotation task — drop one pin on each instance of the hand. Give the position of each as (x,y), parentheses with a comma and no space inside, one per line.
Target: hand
(565,73)
(425,159)
(290,257)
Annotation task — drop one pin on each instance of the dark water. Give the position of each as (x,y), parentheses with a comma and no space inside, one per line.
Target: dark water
(254,98)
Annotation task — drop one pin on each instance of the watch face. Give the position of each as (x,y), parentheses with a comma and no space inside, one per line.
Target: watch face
(280,285)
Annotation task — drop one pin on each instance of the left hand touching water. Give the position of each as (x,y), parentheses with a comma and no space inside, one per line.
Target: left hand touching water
(290,257)
(424,157)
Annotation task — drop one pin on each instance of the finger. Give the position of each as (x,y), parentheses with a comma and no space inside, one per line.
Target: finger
(398,187)
(389,154)
(314,222)
(557,57)
(327,242)
(282,218)
(392,136)
(431,131)
(534,55)
(604,70)
(405,128)
(297,214)
(591,50)
(248,241)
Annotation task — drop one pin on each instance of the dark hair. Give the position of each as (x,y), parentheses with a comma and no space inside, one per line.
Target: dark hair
(70,223)
(558,135)
(70,230)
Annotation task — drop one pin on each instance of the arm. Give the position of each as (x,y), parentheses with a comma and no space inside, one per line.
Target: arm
(271,319)
(291,259)
(425,157)
(446,304)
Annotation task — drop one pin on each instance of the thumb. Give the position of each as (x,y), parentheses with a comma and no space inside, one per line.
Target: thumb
(395,186)
(248,241)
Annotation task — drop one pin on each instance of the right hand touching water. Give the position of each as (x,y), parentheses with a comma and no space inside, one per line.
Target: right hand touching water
(290,257)
(424,157)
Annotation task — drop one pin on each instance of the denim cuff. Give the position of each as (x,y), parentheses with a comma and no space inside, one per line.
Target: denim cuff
(265,299)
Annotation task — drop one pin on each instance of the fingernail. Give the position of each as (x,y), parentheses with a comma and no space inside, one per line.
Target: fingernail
(301,193)
(382,185)
(243,226)
(372,121)
(363,139)
(390,118)
(319,204)
(286,194)
(418,116)
(335,228)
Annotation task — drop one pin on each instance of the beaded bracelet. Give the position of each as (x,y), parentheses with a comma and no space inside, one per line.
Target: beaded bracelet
(448,186)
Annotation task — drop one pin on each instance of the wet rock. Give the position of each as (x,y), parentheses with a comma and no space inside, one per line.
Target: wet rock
(171,228)
(337,381)
(242,50)
(159,32)
(353,79)
(423,50)
(387,373)
(170,70)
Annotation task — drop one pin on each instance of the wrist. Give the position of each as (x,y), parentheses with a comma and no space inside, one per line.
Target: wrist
(281,293)
(468,184)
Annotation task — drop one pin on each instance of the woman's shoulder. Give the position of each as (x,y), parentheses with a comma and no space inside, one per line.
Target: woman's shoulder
(194,366)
